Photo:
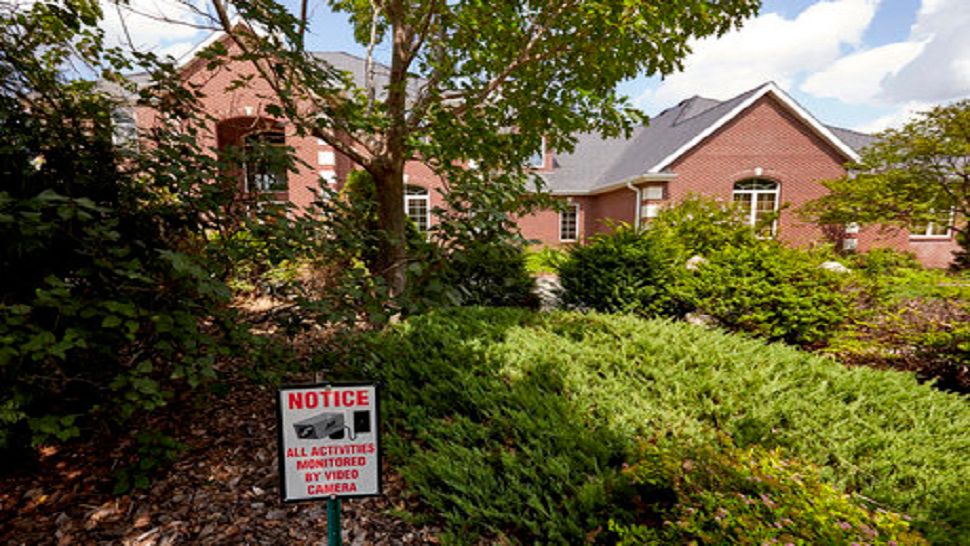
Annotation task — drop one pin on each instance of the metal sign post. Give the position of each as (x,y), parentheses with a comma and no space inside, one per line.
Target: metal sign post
(333,522)
(329,445)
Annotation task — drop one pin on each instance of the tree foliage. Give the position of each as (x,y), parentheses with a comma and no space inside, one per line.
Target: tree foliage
(480,82)
(113,296)
(911,176)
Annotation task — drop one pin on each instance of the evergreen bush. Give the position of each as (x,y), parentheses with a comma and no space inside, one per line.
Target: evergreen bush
(516,424)
(621,272)
(719,494)
(769,290)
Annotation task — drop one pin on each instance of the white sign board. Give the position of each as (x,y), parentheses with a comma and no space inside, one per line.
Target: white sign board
(329,441)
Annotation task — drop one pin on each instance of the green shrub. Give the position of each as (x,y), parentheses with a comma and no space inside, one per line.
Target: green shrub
(624,271)
(769,290)
(112,300)
(491,273)
(719,494)
(883,261)
(514,423)
(700,225)
(546,259)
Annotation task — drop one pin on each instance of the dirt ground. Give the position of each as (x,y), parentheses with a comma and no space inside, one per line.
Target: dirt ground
(223,489)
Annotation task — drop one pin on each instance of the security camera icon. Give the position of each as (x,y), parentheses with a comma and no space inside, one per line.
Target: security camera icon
(318,427)
(331,426)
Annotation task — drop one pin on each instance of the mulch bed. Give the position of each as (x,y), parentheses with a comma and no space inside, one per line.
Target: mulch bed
(223,489)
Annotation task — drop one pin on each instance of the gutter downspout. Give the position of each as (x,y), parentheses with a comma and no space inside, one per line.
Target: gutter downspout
(636,211)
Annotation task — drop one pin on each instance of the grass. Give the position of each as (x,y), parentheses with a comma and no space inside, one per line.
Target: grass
(512,423)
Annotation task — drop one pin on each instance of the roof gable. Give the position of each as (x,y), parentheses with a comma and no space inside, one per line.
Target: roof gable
(598,164)
(740,104)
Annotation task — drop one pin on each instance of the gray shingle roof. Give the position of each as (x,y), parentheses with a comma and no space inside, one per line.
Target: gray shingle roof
(856,140)
(353,64)
(596,163)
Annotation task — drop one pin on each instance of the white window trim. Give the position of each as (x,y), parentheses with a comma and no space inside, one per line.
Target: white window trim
(752,214)
(426,197)
(326,158)
(927,235)
(575,208)
(246,188)
(542,156)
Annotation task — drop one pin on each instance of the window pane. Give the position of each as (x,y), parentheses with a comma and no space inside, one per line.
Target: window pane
(266,162)
(417,210)
(742,198)
(754,184)
(766,203)
(569,224)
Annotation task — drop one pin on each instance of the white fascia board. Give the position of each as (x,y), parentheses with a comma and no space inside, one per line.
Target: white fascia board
(648,177)
(212,38)
(789,103)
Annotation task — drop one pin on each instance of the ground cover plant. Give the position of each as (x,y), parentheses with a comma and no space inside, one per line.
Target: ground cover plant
(716,493)
(517,424)
(907,317)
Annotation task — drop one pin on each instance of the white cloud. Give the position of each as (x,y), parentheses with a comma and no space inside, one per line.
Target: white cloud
(894,120)
(858,77)
(148,24)
(932,65)
(942,70)
(768,47)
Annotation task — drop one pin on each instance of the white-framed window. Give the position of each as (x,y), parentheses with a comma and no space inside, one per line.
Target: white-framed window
(653,193)
(417,205)
(935,229)
(124,129)
(569,223)
(265,170)
(757,198)
(326,158)
(329,177)
(538,159)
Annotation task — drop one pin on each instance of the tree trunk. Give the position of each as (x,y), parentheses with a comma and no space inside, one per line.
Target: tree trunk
(390,183)
(392,264)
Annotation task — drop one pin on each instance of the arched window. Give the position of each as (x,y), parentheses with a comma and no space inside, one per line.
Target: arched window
(266,162)
(417,205)
(757,199)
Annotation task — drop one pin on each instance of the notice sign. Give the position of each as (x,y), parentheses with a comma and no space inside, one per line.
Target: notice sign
(328,441)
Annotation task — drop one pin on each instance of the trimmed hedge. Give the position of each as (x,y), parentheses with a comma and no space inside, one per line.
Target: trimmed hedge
(619,272)
(769,290)
(516,424)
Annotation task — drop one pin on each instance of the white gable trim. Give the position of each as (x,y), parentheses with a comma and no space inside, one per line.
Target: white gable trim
(212,38)
(770,87)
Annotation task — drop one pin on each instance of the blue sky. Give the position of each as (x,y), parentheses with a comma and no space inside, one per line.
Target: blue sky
(862,64)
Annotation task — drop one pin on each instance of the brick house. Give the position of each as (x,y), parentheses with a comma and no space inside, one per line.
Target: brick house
(760,149)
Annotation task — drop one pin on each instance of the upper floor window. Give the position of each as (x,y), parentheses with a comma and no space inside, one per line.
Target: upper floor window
(417,205)
(265,162)
(124,130)
(569,224)
(538,159)
(758,201)
(939,227)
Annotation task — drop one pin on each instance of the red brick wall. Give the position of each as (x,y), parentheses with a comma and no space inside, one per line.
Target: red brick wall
(245,105)
(617,205)
(543,226)
(768,137)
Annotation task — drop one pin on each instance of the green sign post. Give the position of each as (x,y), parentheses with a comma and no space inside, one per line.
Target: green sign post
(333,522)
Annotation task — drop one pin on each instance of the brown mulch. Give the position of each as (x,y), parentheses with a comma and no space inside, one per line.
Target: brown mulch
(223,489)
